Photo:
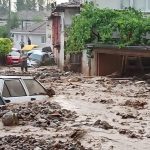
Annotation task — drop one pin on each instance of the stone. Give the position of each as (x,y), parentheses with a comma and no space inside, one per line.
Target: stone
(75,79)
(10,119)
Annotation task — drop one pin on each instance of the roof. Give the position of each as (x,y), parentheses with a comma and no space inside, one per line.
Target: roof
(138,51)
(106,46)
(30,15)
(70,4)
(36,28)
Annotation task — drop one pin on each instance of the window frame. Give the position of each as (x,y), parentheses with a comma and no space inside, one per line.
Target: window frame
(43,39)
(21,83)
(23,80)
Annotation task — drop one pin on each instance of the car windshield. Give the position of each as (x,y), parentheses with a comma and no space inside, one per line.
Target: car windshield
(14,53)
(34,56)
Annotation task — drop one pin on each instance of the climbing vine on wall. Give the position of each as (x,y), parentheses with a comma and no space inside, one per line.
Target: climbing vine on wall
(107,26)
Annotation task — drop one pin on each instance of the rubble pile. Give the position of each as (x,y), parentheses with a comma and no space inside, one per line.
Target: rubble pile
(136,104)
(39,114)
(13,142)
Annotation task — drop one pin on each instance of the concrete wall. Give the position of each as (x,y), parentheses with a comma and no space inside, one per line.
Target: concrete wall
(101,64)
(35,39)
(69,14)
(66,20)
(85,67)
(113,4)
(62,39)
(85,64)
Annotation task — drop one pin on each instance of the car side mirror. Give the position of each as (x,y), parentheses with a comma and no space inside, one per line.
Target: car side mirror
(50,92)
(7,100)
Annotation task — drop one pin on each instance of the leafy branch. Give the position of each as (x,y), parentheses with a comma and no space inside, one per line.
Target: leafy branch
(99,25)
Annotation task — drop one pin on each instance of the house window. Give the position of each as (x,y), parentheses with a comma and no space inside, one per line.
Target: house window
(43,39)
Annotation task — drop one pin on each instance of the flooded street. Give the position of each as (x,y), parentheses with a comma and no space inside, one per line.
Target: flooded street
(99,112)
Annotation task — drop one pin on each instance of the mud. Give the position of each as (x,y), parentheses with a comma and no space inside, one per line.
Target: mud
(101,113)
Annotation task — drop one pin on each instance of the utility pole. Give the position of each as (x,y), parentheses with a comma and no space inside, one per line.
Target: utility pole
(9,15)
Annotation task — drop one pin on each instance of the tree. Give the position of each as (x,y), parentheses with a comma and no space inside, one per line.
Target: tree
(41,4)
(48,5)
(3,32)
(99,25)
(31,4)
(20,5)
(5,48)
(14,20)
(4,4)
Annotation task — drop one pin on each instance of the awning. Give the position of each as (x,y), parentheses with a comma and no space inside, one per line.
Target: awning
(29,47)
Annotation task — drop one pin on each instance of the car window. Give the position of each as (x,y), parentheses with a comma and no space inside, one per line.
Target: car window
(15,88)
(35,57)
(5,91)
(13,53)
(34,87)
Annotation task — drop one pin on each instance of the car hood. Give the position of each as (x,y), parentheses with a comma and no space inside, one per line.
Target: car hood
(32,62)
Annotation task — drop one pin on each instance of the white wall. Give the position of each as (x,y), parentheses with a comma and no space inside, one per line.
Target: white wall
(112,4)
(35,39)
(85,67)
(66,20)
(62,39)
(69,14)
(85,62)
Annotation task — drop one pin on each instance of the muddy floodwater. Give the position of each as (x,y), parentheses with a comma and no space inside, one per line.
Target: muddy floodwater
(98,112)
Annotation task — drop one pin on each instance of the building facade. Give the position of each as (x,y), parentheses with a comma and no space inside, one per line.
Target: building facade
(143,5)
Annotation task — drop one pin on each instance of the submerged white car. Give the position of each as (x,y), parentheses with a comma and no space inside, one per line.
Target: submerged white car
(17,89)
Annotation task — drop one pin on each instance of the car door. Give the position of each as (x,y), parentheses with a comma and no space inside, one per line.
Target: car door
(35,90)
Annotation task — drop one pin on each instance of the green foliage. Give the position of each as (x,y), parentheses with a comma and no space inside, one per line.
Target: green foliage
(14,20)
(99,25)
(20,5)
(5,46)
(4,7)
(32,5)
(3,32)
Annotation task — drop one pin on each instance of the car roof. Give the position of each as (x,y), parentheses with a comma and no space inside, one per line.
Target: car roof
(16,77)
(38,53)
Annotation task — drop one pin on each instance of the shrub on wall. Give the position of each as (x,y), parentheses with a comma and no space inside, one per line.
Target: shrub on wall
(99,25)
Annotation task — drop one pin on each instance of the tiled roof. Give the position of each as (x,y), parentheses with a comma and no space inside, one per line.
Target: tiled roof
(70,4)
(30,15)
(35,28)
